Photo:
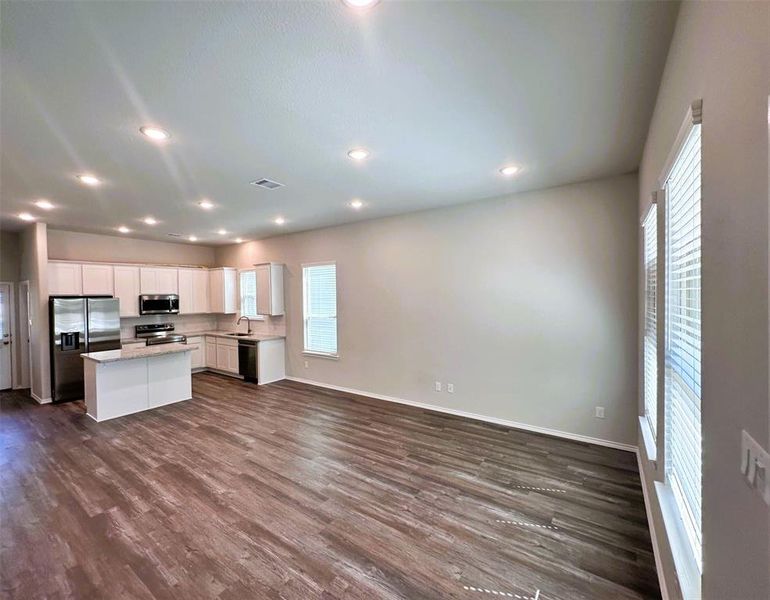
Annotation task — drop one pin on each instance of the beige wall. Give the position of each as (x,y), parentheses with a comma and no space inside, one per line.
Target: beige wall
(10,256)
(527,304)
(34,259)
(70,245)
(720,53)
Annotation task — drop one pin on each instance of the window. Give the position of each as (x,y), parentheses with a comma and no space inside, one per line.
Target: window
(319,290)
(683,336)
(651,318)
(248,289)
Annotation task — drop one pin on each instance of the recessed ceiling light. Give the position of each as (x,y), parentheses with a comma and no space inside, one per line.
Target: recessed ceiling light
(356,203)
(206,204)
(150,221)
(124,229)
(44,204)
(238,240)
(89,179)
(358,153)
(222,231)
(360,3)
(155,133)
(509,170)
(192,238)
(26,217)
(279,221)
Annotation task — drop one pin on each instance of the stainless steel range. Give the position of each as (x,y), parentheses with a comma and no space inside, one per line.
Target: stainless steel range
(159,333)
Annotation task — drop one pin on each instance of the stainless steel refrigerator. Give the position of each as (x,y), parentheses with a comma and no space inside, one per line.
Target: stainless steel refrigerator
(77,325)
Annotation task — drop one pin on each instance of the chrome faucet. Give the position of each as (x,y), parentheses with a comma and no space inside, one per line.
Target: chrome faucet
(248,323)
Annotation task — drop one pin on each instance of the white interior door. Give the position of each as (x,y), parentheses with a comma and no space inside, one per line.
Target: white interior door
(22,343)
(6,379)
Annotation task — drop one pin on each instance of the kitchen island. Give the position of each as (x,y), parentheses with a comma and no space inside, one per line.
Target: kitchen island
(130,380)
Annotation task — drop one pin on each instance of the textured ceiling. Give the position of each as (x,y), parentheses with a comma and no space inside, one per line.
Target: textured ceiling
(443,94)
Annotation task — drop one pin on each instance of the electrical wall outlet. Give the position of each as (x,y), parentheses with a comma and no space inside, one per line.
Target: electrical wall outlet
(450,387)
(599,412)
(306,365)
(755,465)
(438,386)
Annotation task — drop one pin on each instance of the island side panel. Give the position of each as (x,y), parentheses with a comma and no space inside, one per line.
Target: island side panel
(169,379)
(89,380)
(271,364)
(121,388)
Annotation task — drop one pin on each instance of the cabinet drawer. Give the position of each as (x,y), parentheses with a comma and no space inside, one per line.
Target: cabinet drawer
(226,342)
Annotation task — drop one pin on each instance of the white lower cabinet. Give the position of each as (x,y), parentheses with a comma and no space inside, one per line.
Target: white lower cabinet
(198,355)
(211,352)
(221,354)
(227,355)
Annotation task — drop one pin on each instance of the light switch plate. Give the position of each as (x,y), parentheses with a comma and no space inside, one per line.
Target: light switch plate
(755,465)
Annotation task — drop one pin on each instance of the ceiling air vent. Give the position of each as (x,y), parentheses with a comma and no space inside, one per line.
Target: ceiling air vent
(268,184)
(175,234)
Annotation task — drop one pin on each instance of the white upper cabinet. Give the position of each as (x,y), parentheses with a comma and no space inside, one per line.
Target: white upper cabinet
(158,280)
(200,291)
(98,280)
(186,286)
(222,290)
(65,279)
(127,290)
(193,291)
(269,289)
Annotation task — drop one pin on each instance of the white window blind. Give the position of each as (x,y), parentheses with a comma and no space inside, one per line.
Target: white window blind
(683,336)
(248,289)
(650,227)
(320,308)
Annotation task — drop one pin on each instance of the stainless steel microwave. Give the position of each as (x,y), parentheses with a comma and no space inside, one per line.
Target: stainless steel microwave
(159,304)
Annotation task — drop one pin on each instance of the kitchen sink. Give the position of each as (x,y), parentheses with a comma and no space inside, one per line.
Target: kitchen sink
(238,334)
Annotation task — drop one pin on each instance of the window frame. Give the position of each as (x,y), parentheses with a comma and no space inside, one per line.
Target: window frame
(305,350)
(693,526)
(240,295)
(688,566)
(650,425)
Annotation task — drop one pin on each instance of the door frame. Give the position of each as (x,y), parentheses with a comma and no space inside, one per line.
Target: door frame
(25,334)
(12,311)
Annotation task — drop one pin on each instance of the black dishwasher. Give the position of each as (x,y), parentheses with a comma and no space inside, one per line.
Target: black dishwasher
(247,359)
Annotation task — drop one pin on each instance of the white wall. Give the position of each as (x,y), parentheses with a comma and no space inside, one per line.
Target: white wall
(34,267)
(71,245)
(527,304)
(720,53)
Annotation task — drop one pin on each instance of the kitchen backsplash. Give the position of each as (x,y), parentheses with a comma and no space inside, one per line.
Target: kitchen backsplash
(182,323)
(274,325)
(194,323)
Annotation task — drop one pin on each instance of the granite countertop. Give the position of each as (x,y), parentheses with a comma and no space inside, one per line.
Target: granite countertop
(260,337)
(132,353)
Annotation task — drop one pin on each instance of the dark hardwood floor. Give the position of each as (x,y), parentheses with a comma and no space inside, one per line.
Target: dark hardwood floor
(290,491)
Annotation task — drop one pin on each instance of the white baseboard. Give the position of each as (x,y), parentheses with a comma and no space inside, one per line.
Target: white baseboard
(461,413)
(39,399)
(651,526)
